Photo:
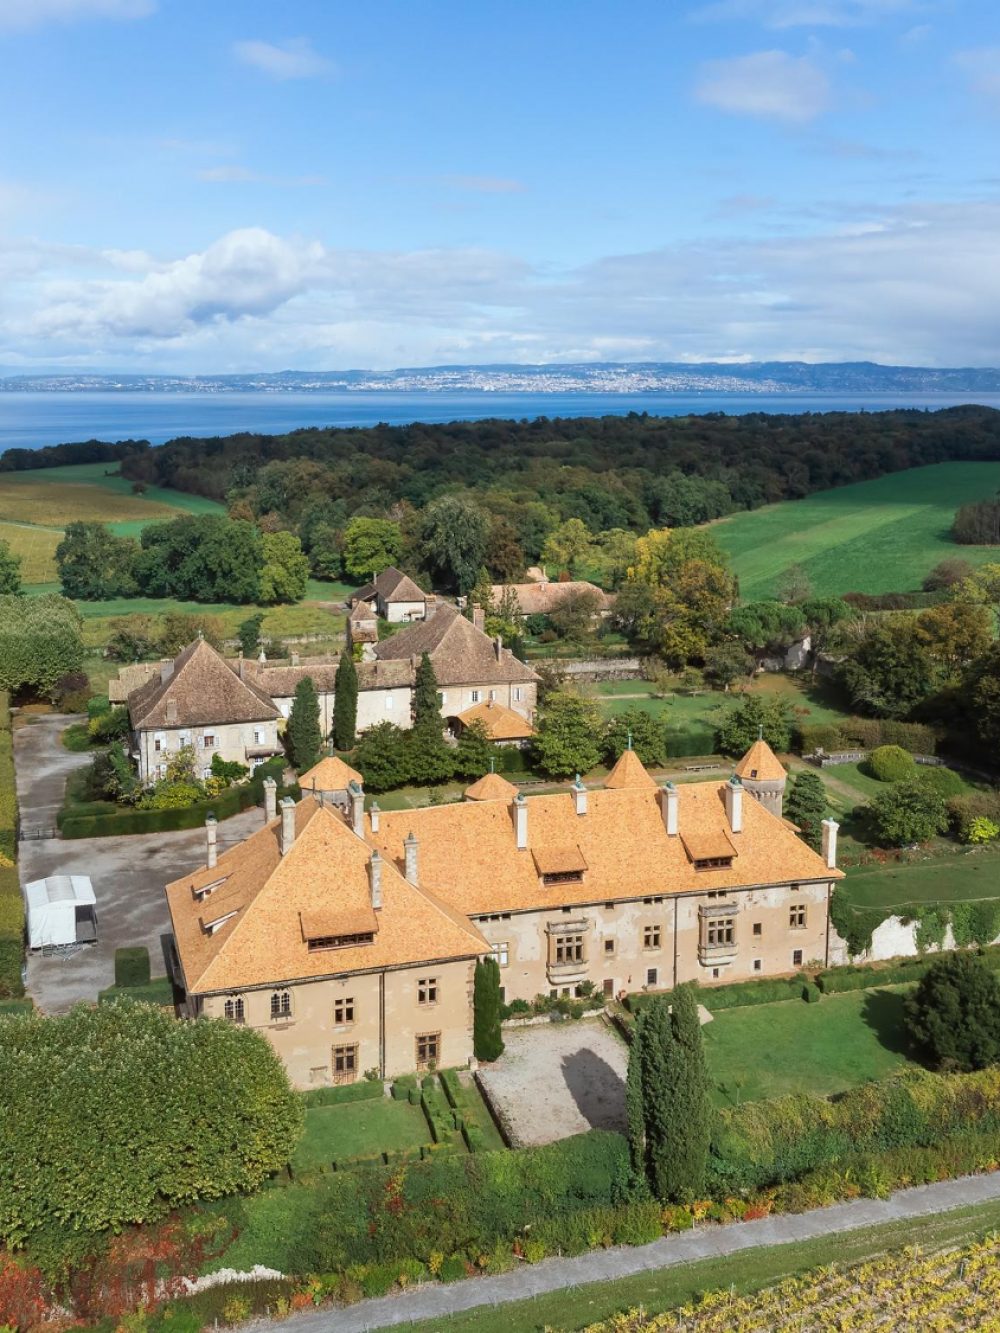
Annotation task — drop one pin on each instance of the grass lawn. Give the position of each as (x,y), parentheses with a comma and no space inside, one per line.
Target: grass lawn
(358,1129)
(768,1050)
(961,874)
(875,536)
(745,1272)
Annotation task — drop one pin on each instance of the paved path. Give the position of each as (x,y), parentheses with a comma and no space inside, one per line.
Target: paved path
(436,1301)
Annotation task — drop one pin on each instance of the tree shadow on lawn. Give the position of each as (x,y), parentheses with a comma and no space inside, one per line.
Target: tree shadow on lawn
(597,1089)
(883,1012)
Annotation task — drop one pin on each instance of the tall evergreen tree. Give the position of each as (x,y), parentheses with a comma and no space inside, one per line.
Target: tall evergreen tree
(806,806)
(429,758)
(684,1148)
(426,704)
(486,1039)
(305,739)
(345,703)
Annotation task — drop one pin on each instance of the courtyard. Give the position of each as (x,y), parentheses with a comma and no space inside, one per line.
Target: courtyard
(558,1079)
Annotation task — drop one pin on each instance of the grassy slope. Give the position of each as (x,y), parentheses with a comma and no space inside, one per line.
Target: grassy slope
(745,1272)
(962,875)
(35,546)
(875,536)
(819,1048)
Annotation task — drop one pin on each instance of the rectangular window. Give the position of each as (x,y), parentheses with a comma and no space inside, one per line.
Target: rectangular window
(281,1004)
(797,916)
(720,931)
(651,937)
(234,1009)
(343,1011)
(569,948)
(563,877)
(651,976)
(757,965)
(388,701)
(517,694)
(609,988)
(493,696)
(474,696)
(758,929)
(158,744)
(609,946)
(796,958)
(715,973)
(427,990)
(428,1049)
(208,741)
(500,953)
(345,1064)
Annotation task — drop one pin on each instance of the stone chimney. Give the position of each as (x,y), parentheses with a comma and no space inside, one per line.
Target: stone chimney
(166,671)
(519,808)
(374,814)
(410,846)
(498,646)
(171,710)
(479,617)
(830,827)
(287,824)
(669,803)
(356,796)
(242,667)
(734,804)
(211,849)
(579,796)
(375,879)
(270,800)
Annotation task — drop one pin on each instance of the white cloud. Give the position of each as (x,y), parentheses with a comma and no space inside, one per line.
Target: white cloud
(770,84)
(235,174)
(33,13)
(486,184)
(781,14)
(294,59)
(981,67)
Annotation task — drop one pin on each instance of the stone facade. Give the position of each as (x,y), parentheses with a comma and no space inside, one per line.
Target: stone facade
(248,743)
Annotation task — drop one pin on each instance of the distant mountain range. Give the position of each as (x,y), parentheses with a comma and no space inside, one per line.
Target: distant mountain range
(764,377)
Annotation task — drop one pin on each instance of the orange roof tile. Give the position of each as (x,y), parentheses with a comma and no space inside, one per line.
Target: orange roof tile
(491,788)
(628,772)
(559,860)
(501,722)
(325,872)
(330,774)
(760,763)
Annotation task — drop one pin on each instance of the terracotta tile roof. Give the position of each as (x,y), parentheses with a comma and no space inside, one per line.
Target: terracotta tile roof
(330,774)
(278,679)
(501,722)
(762,763)
(131,677)
(326,922)
(628,772)
(491,788)
(559,860)
(392,585)
(542,598)
(200,690)
(461,654)
(324,873)
(469,858)
(706,844)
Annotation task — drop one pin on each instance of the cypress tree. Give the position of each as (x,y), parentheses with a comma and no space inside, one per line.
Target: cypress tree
(426,704)
(658,1073)
(305,739)
(345,703)
(685,1144)
(429,758)
(486,1039)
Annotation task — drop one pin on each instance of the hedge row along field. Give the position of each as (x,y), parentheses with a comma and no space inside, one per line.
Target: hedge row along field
(954,1289)
(11,901)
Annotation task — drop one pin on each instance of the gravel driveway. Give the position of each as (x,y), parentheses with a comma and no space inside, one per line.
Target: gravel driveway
(558,1079)
(128,873)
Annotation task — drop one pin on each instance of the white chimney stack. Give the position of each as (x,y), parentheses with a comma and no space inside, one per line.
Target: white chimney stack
(734,804)
(287,825)
(410,846)
(374,814)
(356,796)
(830,827)
(270,800)
(211,851)
(520,810)
(669,803)
(579,796)
(375,879)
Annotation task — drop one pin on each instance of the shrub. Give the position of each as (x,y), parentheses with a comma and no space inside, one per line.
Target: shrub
(821,736)
(454,1268)
(811,993)
(907,812)
(945,781)
(891,763)
(862,976)
(367,1090)
(735,995)
(954,1014)
(403,1086)
(132,966)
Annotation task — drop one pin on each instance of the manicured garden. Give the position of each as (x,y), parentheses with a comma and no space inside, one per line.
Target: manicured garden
(358,1129)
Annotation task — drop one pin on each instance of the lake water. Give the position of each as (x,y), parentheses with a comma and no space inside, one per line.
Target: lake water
(30,420)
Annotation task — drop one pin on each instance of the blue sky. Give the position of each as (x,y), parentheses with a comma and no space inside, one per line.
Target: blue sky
(192,185)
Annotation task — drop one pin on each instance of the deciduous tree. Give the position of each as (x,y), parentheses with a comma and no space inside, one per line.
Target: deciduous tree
(370,544)
(285,569)
(743,724)
(907,812)
(381,756)
(567,738)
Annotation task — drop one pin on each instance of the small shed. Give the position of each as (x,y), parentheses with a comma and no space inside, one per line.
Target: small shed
(61,910)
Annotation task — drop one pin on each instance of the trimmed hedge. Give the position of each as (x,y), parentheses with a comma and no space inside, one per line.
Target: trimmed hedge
(765,991)
(767,1143)
(403,1086)
(132,966)
(861,976)
(367,1090)
(159,991)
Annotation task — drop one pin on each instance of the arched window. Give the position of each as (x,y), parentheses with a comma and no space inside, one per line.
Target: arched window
(281,1004)
(234,1009)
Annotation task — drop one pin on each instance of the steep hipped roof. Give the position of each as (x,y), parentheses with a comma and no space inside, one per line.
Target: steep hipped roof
(392,585)
(198,689)
(461,654)
(760,763)
(330,774)
(542,598)
(469,857)
(628,772)
(492,787)
(361,610)
(501,722)
(267,901)
(131,678)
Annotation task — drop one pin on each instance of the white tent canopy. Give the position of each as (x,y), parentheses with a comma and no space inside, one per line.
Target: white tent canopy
(60,911)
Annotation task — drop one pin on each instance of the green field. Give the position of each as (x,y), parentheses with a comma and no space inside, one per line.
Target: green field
(358,1129)
(872,537)
(821,1048)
